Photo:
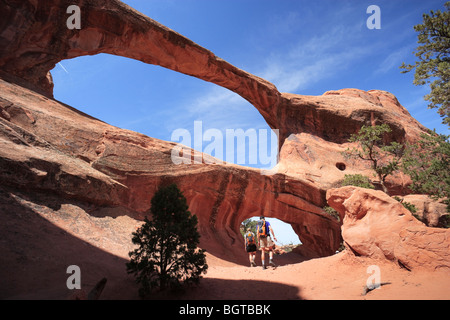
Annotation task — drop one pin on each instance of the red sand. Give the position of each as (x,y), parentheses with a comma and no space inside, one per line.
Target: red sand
(36,265)
(337,277)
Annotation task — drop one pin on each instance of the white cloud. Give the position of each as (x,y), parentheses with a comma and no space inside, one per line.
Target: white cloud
(218,108)
(394,60)
(308,62)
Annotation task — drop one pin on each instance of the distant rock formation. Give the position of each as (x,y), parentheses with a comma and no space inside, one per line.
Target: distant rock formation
(377,226)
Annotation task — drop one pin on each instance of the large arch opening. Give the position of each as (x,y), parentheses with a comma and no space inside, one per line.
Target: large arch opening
(155,101)
(158,102)
(115,31)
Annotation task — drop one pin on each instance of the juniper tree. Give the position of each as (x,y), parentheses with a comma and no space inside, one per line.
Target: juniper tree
(167,254)
(433,65)
(357,180)
(383,158)
(427,162)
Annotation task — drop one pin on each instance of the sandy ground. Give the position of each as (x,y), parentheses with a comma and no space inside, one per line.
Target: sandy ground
(34,267)
(339,277)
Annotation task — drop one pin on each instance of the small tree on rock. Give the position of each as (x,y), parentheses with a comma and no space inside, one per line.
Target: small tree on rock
(383,158)
(167,253)
(427,162)
(433,64)
(357,180)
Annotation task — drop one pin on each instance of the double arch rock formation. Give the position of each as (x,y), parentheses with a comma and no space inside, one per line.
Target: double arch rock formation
(106,166)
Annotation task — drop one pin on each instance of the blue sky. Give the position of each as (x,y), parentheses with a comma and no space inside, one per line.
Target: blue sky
(303,47)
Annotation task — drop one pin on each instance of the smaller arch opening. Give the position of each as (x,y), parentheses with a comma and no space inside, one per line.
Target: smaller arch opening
(284,232)
(341,166)
(288,245)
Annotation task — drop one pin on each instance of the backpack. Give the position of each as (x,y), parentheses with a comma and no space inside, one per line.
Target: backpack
(250,238)
(262,229)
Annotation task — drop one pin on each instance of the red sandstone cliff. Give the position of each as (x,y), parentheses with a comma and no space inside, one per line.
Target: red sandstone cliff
(51,154)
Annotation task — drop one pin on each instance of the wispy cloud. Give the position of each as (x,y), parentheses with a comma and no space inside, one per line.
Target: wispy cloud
(394,60)
(217,108)
(308,62)
(320,51)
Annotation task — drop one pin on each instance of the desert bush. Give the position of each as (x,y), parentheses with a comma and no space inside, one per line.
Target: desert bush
(357,180)
(167,254)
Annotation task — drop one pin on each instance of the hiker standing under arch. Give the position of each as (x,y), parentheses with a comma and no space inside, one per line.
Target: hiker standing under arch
(250,246)
(265,242)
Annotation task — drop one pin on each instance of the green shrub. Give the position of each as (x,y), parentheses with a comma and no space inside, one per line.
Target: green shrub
(412,208)
(167,253)
(357,180)
(332,212)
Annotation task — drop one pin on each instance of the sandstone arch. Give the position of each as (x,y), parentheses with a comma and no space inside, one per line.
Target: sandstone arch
(116,29)
(313,130)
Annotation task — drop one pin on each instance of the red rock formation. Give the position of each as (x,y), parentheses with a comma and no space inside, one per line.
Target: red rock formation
(94,162)
(318,128)
(34,38)
(377,226)
(91,161)
(432,212)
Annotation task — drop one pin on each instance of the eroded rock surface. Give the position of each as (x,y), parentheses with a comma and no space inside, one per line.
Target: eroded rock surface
(47,147)
(91,161)
(377,226)
(313,129)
